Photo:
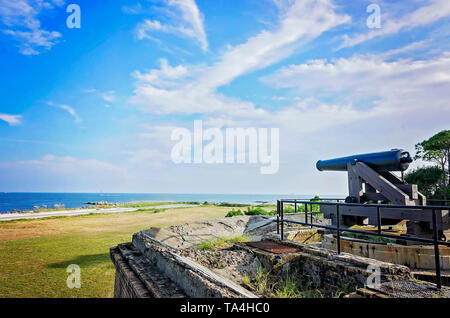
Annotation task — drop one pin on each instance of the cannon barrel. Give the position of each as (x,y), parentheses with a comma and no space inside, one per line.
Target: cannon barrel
(392,160)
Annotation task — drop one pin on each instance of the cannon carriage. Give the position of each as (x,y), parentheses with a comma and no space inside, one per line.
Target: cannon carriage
(371,180)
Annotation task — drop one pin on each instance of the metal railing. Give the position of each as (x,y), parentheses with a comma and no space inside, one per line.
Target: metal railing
(338,229)
(444,202)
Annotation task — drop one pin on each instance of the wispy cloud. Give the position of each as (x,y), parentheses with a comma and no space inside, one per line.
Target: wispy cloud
(427,14)
(186,20)
(176,89)
(21,20)
(133,9)
(89,90)
(109,97)
(69,110)
(12,120)
(29,174)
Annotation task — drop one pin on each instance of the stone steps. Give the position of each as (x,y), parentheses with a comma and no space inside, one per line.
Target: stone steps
(136,277)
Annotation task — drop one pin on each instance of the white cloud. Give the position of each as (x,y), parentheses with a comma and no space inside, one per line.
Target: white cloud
(21,20)
(71,111)
(164,75)
(12,120)
(434,11)
(368,77)
(193,89)
(133,9)
(109,96)
(89,90)
(52,172)
(188,21)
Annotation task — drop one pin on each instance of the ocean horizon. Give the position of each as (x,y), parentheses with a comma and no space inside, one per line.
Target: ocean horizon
(26,201)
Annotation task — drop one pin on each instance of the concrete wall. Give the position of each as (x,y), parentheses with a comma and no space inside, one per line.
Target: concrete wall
(325,268)
(413,256)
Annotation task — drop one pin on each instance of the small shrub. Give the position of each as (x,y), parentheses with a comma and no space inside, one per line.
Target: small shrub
(288,289)
(232,205)
(256,211)
(221,243)
(234,213)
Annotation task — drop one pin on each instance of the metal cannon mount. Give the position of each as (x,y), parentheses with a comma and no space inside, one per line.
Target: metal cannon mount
(370,180)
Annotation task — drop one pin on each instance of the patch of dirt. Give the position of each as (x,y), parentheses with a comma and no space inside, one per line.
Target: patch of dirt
(230,263)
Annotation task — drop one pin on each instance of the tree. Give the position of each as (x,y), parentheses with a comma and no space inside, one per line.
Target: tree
(437,150)
(427,178)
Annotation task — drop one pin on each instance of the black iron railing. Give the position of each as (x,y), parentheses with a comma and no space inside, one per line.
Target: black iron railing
(338,229)
(438,202)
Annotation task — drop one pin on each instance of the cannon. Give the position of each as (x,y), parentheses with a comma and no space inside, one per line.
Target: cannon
(371,180)
(370,177)
(392,160)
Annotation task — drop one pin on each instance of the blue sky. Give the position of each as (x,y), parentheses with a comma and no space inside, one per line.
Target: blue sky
(92,109)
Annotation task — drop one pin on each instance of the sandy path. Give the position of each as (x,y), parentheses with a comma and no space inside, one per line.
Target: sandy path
(40,215)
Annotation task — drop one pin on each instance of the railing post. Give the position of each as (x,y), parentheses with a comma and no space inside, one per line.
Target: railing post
(436,251)
(379,219)
(338,230)
(282,220)
(306,213)
(311,213)
(278,216)
(295,206)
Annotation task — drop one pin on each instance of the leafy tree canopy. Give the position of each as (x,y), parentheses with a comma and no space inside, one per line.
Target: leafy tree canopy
(436,149)
(427,178)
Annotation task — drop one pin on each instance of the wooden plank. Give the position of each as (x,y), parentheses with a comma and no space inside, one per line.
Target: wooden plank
(380,183)
(410,189)
(421,198)
(354,183)
(395,213)
(375,196)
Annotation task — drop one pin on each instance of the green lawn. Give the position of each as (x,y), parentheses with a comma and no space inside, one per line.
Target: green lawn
(34,254)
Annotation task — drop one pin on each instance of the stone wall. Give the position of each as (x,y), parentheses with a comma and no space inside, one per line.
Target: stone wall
(325,268)
(149,267)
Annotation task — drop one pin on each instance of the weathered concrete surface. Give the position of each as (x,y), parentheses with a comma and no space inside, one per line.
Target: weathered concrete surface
(326,268)
(167,253)
(402,289)
(188,235)
(194,279)
(137,278)
(430,276)
(413,256)
(304,236)
(230,263)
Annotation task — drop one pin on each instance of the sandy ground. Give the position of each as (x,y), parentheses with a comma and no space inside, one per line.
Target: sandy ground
(40,215)
(105,224)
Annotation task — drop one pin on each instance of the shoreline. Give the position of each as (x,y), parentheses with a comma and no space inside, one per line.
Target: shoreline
(86,211)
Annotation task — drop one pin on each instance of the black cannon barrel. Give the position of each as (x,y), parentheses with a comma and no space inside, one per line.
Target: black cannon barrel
(392,160)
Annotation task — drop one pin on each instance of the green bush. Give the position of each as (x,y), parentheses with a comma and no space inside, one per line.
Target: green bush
(232,205)
(259,211)
(234,213)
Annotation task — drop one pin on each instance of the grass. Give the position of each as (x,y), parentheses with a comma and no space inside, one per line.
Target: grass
(251,210)
(267,285)
(288,289)
(221,243)
(140,204)
(150,204)
(34,254)
(370,238)
(234,213)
